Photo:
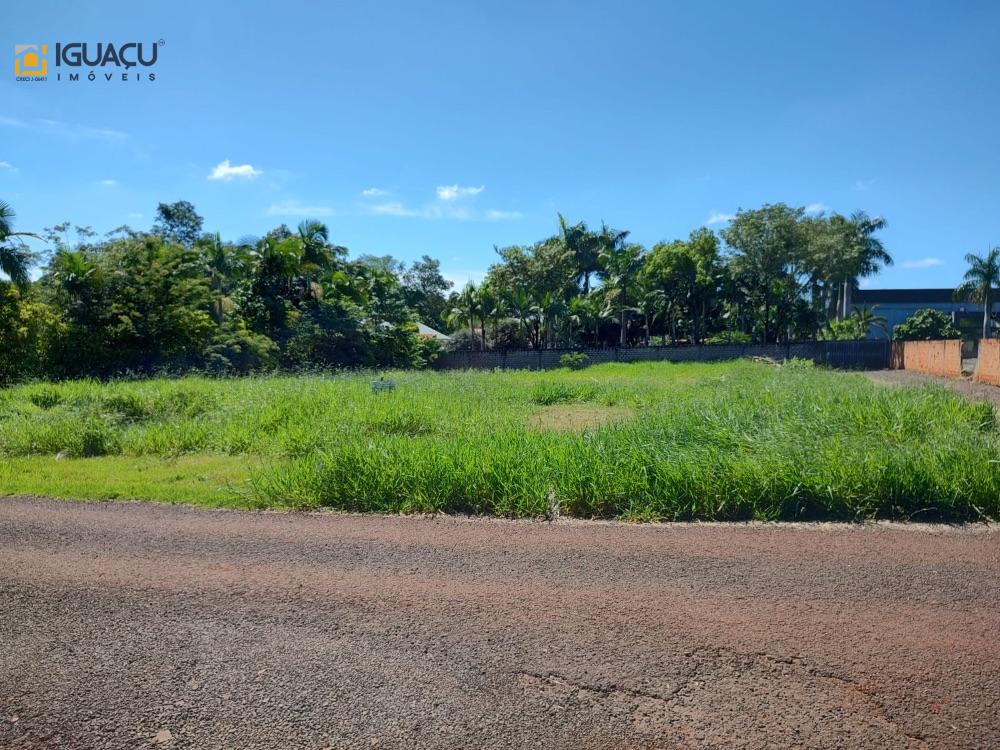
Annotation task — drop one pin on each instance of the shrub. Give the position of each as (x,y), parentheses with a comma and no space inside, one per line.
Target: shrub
(463,340)
(799,363)
(236,349)
(574,360)
(926,325)
(428,351)
(841,330)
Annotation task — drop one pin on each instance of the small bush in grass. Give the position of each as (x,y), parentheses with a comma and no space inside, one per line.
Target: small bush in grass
(799,363)
(574,361)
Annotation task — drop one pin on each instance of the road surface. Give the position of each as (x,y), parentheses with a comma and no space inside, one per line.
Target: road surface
(139,625)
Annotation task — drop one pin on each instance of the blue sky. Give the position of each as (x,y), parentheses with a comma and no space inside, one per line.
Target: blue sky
(450,127)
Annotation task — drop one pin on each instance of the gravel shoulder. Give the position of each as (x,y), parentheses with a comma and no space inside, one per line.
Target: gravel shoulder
(964,386)
(139,625)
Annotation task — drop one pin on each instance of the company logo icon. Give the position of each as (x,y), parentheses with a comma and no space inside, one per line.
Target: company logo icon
(30,61)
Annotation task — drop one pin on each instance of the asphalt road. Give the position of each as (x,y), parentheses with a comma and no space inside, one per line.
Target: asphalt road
(136,625)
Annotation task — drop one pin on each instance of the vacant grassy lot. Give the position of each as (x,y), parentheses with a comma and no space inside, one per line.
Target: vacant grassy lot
(643,441)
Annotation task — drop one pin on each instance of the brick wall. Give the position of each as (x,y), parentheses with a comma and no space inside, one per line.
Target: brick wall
(942,358)
(988,364)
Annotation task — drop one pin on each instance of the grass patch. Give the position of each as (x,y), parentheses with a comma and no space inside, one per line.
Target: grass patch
(216,481)
(733,440)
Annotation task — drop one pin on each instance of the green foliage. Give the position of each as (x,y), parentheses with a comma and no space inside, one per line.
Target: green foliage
(178,299)
(574,360)
(178,222)
(234,349)
(730,337)
(428,351)
(980,284)
(842,330)
(27,330)
(856,327)
(926,325)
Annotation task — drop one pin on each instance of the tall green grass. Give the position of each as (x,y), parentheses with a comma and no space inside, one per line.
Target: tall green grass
(733,440)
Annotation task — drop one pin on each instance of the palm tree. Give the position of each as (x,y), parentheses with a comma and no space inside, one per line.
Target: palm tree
(73,274)
(866,252)
(865,319)
(583,245)
(551,307)
(621,263)
(982,278)
(15,257)
(521,306)
(317,256)
(467,308)
(487,304)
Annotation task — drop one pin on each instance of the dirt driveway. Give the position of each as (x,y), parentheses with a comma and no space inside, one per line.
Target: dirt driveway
(136,625)
(964,386)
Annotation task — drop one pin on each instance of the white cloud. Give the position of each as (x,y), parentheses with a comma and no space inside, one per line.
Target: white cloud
(497,215)
(817,208)
(108,183)
(6,166)
(453,192)
(374,192)
(135,215)
(393,208)
(68,130)
(719,218)
(862,185)
(294,208)
(922,263)
(226,171)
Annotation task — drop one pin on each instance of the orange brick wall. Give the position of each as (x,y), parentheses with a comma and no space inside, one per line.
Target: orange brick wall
(934,357)
(988,364)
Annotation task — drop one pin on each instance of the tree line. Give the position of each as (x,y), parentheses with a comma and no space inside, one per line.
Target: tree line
(774,274)
(176,297)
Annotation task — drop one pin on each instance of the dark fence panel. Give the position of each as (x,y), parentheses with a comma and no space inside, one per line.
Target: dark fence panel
(868,355)
(862,355)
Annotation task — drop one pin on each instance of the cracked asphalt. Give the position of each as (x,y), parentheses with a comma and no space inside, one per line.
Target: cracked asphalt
(138,625)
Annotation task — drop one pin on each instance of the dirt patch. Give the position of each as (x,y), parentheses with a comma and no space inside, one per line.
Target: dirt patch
(577,417)
(978,391)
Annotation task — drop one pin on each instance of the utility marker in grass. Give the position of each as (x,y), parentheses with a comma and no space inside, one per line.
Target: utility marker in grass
(383,385)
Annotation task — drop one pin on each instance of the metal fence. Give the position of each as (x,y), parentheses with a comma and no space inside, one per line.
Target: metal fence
(867,355)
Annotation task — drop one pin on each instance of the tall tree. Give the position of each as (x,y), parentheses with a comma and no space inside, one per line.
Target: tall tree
(178,222)
(425,289)
(621,263)
(584,246)
(769,250)
(981,281)
(866,252)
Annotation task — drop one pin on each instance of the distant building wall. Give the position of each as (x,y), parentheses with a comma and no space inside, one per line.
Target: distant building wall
(896,305)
